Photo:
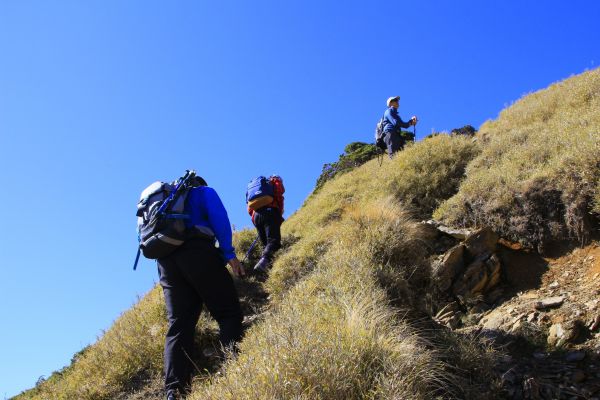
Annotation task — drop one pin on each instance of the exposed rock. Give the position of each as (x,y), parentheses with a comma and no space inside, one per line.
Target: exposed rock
(493,269)
(482,242)
(493,320)
(473,280)
(448,267)
(555,334)
(550,302)
(481,276)
(563,333)
(460,234)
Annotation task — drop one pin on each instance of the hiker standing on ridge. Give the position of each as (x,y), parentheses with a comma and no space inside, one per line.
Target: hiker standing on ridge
(195,275)
(392,124)
(264,198)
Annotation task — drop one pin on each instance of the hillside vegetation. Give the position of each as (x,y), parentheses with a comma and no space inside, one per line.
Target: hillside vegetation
(537,179)
(350,292)
(353,249)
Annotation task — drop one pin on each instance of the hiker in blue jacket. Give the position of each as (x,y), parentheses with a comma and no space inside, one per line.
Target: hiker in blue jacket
(392,126)
(195,275)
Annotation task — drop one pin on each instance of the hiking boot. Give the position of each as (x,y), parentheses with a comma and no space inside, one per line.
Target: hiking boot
(172,395)
(261,266)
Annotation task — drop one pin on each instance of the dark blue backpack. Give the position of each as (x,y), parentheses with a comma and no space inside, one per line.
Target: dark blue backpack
(259,187)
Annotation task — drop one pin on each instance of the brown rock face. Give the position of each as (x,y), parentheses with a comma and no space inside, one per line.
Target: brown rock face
(482,242)
(481,276)
(448,267)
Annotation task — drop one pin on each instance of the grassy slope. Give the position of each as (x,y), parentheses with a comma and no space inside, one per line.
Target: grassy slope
(331,332)
(353,245)
(537,178)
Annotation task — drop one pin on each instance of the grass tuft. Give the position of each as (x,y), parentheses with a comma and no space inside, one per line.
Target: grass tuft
(537,178)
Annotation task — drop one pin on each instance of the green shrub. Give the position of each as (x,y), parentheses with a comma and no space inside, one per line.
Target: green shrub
(355,154)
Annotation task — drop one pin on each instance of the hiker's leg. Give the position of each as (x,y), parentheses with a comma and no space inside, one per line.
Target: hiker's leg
(183,309)
(260,227)
(392,141)
(273,232)
(213,282)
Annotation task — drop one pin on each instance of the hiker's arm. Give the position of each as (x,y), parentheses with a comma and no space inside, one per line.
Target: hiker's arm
(219,222)
(403,124)
(395,120)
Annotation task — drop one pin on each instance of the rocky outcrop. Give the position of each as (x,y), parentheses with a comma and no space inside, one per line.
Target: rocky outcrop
(467,274)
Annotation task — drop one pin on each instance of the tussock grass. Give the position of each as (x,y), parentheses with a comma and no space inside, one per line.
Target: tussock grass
(420,177)
(334,335)
(537,178)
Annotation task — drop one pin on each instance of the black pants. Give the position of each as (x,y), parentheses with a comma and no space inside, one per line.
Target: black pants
(268,224)
(194,275)
(394,142)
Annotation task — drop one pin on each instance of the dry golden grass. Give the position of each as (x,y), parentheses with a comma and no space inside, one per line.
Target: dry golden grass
(537,177)
(333,335)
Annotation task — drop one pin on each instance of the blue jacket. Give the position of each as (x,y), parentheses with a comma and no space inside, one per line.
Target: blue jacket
(392,121)
(207,210)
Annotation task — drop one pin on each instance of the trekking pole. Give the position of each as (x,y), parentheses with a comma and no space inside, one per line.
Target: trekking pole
(250,249)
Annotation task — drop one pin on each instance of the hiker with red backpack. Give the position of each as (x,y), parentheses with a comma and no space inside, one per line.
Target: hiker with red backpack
(264,198)
(388,134)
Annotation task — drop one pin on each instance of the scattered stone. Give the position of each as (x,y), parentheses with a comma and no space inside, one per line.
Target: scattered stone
(493,320)
(531,317)
(550,302)
(575,356)
(555,334)
(482,242)
(553,285)
(516,326)
(561,334)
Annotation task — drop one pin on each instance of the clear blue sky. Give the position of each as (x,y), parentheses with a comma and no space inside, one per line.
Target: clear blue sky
(100,98)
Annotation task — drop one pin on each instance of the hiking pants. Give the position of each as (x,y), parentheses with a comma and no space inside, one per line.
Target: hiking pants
(192,276)
(268,224)
(394,142)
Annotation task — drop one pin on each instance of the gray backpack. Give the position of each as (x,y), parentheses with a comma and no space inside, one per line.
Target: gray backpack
(379,134)
(161,217)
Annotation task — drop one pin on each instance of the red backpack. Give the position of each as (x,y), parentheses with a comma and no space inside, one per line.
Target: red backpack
(278,191)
